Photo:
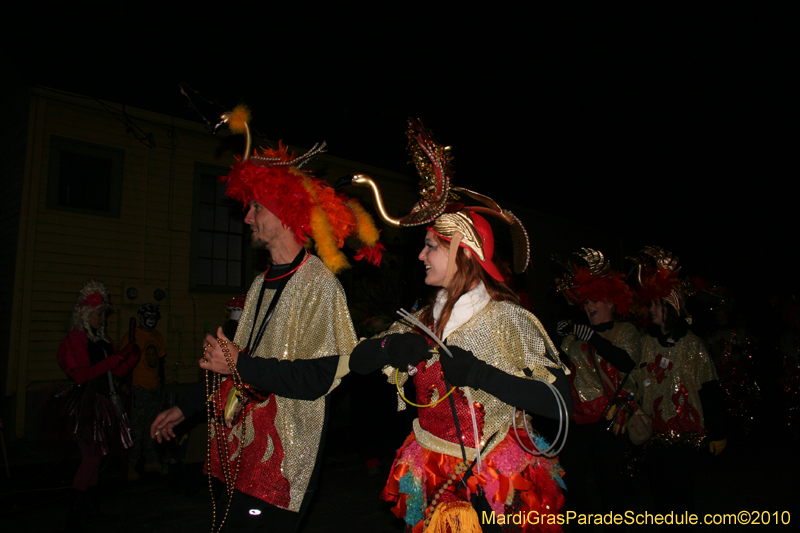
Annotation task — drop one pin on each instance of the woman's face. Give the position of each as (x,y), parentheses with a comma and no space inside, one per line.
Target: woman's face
(599,311)
(96,318)
(435,257)
(657,313)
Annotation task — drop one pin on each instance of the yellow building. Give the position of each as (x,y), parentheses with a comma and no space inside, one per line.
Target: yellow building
(93,189)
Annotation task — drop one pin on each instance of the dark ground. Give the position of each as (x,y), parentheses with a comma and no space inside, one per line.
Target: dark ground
(757,472)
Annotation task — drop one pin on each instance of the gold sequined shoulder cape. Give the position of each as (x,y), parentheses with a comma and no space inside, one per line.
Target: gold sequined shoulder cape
(507,337)
(310,321)
(586,384)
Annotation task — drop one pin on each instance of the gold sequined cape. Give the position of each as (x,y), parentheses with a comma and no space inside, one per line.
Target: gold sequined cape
(669,383)
(310,321)
(507,337)
(586,383)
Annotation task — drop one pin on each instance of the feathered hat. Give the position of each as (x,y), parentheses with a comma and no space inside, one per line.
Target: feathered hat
(306,205)
(658,278)
(439,206)
(595,281)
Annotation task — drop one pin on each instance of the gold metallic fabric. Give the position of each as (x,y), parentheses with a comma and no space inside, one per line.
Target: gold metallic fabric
(669,384)
(507,337)
(587,383)
(310,321)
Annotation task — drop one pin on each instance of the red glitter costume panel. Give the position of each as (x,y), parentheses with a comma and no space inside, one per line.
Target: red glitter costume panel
(279,438)
(670,381)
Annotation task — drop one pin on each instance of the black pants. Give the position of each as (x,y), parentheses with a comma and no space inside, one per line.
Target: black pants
(592,452)
(248,514)
(672,473)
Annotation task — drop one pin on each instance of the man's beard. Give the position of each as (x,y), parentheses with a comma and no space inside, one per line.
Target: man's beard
(257,244)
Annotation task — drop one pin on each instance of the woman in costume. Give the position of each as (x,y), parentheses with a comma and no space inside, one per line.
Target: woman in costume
(601,355)
(678,387)
(495,347)
(91,409)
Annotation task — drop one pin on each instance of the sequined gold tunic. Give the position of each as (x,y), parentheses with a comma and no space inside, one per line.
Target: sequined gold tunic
(507,337)
(590,400)
(670,381)
(282,435)
(502,334)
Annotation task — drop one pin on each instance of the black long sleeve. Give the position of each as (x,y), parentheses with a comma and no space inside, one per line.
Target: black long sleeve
(301,379)
(533,396)
(613,354)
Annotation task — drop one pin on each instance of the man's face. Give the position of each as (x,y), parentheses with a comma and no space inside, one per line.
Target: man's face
(266,227)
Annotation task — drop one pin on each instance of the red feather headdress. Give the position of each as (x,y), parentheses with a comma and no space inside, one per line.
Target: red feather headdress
(596,281)
(306,205)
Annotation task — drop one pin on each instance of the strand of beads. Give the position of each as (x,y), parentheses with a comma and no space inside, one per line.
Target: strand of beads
(237,379)
(216,427)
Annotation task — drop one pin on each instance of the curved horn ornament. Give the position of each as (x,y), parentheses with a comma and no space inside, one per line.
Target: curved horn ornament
(362,180)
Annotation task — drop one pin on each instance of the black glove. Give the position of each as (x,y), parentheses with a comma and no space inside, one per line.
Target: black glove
(457,368)
(564,328)
(398,350)
(406,349)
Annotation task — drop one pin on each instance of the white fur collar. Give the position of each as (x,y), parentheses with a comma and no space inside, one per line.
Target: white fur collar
(470,303)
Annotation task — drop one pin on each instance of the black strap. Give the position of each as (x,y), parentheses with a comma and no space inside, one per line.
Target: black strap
(455,416)
(468,472)
(272,304)
(600,375)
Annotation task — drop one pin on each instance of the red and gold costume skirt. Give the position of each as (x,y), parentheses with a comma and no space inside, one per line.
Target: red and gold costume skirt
(525,492)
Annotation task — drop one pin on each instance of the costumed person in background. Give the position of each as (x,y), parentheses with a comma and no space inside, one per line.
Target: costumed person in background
(147,380)
(601,354)
(678,387)
(268,389)
(92,409)
(234,307)
(467,401)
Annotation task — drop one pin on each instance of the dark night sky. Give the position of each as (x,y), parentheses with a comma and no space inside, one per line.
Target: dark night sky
(666,126)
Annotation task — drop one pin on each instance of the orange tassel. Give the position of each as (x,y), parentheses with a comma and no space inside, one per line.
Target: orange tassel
(454,516)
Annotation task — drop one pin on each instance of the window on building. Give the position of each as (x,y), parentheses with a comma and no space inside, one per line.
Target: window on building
(220,249)
(85,177)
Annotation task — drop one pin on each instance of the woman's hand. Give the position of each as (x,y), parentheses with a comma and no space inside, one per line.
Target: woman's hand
(457,368)
(406,349)
(214,358)
(164,424)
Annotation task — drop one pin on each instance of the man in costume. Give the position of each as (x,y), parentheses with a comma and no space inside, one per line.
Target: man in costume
(601,354)
(147,380)
(268,388)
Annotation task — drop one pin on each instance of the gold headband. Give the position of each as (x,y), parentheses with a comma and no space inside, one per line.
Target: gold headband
(449,223)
